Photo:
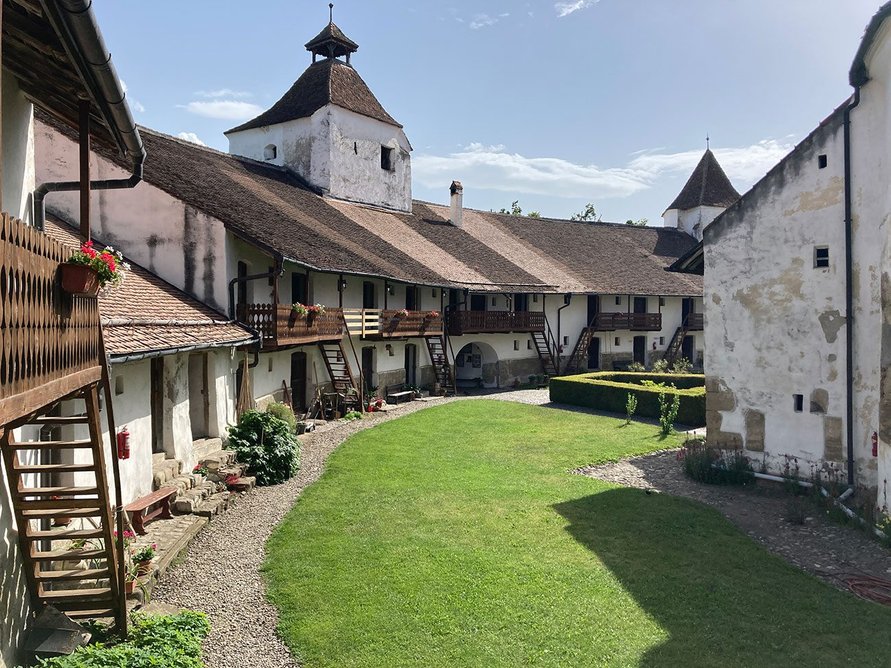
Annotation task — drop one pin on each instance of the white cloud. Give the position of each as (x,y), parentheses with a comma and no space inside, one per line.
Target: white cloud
(228,110)
(191,137)
(482,21)
(137,106)
(567,8)
(222,92)
(493,168)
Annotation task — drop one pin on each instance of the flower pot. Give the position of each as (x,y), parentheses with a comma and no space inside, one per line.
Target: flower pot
(144,567)
(79,279)
(129,586)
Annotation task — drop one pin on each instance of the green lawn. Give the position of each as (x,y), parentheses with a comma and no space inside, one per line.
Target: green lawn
(456,537)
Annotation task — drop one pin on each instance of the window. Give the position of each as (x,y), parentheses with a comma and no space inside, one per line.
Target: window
(661,340)
(494,301)
(529,345)
(534,299)
(270,152)
(516,344)
(411,298)
(565,340)
(618,301)
(798,402)
(118,385)
(387,159)
(618,341)
(821,256)
(661,301)
(822,161)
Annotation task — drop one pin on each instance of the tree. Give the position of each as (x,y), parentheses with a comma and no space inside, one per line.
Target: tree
(587,215)
(637,223)
(517,210)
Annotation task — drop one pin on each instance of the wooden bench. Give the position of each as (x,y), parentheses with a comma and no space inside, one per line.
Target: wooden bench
(150,507)
(397,392)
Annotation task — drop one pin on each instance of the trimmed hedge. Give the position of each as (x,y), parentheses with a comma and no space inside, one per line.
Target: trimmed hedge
(608,391)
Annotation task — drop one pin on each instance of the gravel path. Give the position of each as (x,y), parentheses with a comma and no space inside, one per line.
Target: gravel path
(221,572)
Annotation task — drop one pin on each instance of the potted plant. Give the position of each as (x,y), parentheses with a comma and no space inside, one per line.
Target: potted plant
(130,580)
(143,558)
(88,270)
(298,309)
(402,313)
(314,311)
(431,315)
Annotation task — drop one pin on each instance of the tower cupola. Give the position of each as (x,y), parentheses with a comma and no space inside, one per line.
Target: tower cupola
(707,193)
(331,42)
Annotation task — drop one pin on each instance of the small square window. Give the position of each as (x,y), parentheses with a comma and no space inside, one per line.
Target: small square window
(529,345)
(661,301)
(565,340)
(822,161)
(516,345)
(618,341)
(661,340)
(618,301)
(798,402)
(534,299)
(821,256)
(387,161)
(494,301)
(118,385)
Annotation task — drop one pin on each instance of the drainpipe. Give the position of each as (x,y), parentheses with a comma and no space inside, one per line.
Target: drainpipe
(567,300)
(274,274)
(73,20)
(849,286)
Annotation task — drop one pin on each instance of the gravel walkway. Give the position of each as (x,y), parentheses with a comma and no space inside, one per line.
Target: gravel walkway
(221,572)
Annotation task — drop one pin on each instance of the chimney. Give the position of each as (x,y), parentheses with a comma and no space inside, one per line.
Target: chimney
(456,216)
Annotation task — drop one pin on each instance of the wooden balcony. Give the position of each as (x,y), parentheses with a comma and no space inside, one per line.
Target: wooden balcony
(695,322)
(636,322)
(279,325)
(495,322)
(50,342)
(393,323)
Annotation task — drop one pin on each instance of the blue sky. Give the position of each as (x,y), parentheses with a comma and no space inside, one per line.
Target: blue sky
(552,103)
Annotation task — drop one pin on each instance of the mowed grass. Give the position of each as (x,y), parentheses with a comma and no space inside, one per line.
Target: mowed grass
(455,536)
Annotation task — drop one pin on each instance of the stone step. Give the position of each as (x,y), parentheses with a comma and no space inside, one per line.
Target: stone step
(206,446)
(220,475)
(158,458)
(244,484)
(186,482)
(165,471)
(218,460)
(189,500)
(214,505)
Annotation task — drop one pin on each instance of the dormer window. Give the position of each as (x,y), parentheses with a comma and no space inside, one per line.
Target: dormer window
(270,152)
(388,160)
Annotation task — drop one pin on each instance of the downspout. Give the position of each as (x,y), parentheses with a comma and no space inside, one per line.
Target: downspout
(275,273)
(849,286)
(567,300)
(73,20)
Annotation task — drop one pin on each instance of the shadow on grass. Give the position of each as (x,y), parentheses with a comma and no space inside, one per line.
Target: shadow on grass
(722,599)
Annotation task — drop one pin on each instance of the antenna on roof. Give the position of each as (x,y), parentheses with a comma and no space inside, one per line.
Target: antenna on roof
(706,142)
(330,12)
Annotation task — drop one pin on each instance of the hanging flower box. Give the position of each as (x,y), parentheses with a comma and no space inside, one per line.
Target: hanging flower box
(88,271)
(79,279)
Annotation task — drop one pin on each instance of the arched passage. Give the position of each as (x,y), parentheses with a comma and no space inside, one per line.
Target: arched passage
(476,366)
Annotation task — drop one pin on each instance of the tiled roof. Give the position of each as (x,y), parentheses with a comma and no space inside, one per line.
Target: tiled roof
(146,314)
(276,211)
(328,81)
(331,35)
(708,185)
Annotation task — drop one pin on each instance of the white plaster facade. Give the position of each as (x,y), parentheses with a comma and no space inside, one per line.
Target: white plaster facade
(339,152)
(692,221)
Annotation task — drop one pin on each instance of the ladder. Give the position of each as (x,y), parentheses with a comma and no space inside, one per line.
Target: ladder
(545,354)
(340,373)
(72,566)
(441,367)
(574,364)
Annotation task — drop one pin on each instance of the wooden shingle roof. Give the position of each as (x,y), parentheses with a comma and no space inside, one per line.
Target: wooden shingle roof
(708,185)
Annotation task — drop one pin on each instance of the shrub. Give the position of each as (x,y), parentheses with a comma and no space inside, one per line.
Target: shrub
(681,365)
(630,407)
(668,409)
(266,445)
(636,367)
(173,641)
(284,413)
(710,466)
(608,391)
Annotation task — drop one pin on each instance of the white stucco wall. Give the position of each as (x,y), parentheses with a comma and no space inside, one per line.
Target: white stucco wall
(774,322)
(338,151)
(182,245)
(18,151)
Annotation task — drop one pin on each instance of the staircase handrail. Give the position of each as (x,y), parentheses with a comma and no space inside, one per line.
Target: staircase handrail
(349,337)
(551,343)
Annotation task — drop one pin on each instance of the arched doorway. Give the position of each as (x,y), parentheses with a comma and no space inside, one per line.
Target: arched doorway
(476,366)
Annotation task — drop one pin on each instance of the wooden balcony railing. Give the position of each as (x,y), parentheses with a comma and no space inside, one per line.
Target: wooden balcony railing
(695,322)
(279,325)
(50,342)
(643,322)
(494,322)
(391,324)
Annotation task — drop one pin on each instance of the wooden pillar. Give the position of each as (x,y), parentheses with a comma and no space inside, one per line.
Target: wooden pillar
(85,169)
(340,291)
(1,115)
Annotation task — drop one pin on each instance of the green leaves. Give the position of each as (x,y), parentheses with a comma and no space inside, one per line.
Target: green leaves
(267,445)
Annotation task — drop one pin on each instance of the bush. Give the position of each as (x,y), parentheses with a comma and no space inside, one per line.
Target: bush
(630,407)
(668,409)
(284,413)
(711,466)
(267,446)
(173,641)
(608,391)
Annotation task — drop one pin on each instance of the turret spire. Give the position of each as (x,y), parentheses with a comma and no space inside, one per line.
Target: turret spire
(331,42)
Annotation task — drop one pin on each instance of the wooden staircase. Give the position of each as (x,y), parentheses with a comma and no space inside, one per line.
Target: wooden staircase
(73,567)
(545,354)
(441,367)
(677,342)
(340,373)
(580,351)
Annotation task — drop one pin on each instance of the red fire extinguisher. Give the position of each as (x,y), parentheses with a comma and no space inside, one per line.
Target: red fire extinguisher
(875,444)
(124,443)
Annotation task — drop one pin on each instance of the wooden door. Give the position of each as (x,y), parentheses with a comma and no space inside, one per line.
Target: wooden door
(411,364)
(640,304)
(299,288)
(198,395)
(640,349)
(594,353)
(369,295)
(156,400)
(688,348)
(368,367)
(593,306)
(687,306)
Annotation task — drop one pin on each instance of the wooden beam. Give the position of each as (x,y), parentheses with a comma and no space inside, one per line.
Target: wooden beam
(85,169)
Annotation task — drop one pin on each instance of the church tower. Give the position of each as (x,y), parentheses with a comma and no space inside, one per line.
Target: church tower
(707,193)
(330,130)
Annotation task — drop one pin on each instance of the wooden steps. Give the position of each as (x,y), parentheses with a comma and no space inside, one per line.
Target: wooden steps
(66,479)
(545,354)
(580,352)
(440,361)
(340,373)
